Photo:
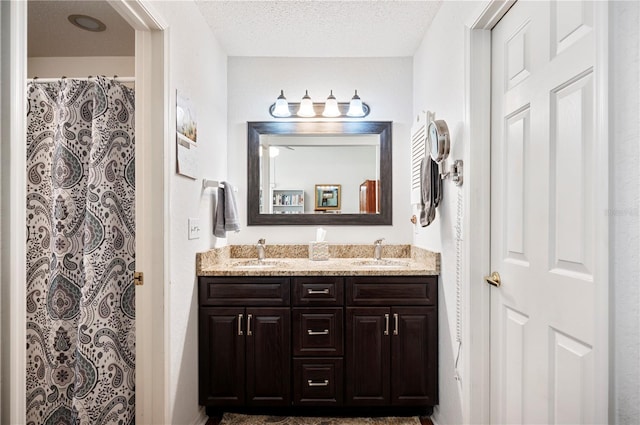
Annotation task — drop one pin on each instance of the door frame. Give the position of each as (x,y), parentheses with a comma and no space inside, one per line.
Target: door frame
(14,164)
(476,391)
(152,207)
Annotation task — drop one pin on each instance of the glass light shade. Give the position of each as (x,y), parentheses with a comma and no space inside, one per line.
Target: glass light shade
(281,108)
(331,107)
(306,106)
(355,106)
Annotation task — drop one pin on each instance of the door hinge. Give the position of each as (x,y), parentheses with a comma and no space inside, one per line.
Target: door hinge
(138,278)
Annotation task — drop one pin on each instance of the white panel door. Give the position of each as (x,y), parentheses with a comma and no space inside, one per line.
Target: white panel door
(543,201)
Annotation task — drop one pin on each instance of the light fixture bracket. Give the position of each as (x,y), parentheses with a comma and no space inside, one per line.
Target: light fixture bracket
(319,108)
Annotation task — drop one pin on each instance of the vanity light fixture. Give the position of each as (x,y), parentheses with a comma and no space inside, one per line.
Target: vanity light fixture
(355,107)
(281,109)
(306,106)
(330,109)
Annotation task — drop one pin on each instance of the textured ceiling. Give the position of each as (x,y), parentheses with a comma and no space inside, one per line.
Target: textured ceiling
(319,28)
(51,34)
(293,28)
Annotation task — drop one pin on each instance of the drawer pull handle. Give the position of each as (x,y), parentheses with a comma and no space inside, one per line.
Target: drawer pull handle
(249,316)
(240,316)
(316,291)
(395,319)
(324,332)
(386,324)
(325,383)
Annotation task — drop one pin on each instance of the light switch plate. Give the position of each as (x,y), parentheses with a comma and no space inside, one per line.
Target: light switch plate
(194,228)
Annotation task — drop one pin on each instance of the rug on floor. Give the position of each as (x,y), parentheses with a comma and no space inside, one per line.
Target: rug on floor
(240,419)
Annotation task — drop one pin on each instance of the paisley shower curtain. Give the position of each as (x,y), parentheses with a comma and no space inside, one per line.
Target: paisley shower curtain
(80,253)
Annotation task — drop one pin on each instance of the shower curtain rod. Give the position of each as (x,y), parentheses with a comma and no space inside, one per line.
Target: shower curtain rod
(53,80)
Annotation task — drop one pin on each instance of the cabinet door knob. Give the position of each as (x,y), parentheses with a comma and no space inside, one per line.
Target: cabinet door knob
(317,291)
(318,384)
(249,316)
(240,316)
(324,332)
(395,322)
(386,324)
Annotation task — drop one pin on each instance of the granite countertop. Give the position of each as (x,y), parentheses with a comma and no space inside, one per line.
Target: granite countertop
(292,260)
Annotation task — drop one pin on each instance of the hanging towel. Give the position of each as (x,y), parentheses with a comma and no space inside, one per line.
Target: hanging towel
(430,190)
(226,219)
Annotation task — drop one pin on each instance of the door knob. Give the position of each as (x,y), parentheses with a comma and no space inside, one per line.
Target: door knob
(493,279)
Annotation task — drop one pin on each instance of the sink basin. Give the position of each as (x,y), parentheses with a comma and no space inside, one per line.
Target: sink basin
(255,264)
(386,264)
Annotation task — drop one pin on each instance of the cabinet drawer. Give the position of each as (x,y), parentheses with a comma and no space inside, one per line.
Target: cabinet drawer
(396,290)
(254,291)
(317,382)
(319,290)
(318,331)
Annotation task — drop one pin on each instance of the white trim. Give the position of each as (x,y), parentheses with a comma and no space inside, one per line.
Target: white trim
(152,206)
(477,213)
(601,204)
(488,14)
(201,418)
(477,221)
(139,14)
(14,190)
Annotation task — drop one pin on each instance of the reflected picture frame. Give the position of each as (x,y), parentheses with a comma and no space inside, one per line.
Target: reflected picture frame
(327,197)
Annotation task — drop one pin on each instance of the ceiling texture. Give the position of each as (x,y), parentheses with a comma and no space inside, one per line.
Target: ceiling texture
(285,28)
(319,28)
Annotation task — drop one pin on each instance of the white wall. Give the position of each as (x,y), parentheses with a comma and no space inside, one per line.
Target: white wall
(383,83)
(304,167)
(80,66)
(440,89)
(625,210)
(198,70)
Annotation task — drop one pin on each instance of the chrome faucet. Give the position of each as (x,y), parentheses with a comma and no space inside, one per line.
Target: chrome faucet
(260,246)
(377,249)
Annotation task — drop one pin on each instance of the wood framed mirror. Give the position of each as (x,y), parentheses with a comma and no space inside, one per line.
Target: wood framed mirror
(287,160)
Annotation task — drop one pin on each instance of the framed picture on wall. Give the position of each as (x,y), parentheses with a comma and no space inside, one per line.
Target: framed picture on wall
(327,197)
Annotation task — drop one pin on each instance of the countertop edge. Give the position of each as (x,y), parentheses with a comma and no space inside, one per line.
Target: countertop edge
(221,262)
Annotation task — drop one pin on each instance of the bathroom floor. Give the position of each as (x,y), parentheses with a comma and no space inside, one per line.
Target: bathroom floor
(240,419)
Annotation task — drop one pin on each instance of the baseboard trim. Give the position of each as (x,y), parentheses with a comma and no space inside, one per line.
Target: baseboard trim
(201,418)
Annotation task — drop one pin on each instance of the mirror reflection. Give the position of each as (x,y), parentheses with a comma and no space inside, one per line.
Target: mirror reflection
(319,174)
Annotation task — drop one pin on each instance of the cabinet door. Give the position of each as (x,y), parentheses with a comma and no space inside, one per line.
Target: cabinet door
(368,356)
(414,356)
(268,356)
(221,356)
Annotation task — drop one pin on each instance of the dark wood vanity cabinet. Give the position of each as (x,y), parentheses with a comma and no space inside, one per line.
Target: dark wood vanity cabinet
(392,341)
(319,341)
(392,356)
(244,351)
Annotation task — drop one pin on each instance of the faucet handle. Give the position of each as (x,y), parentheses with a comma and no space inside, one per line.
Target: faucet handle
(261,241)
(378,241)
